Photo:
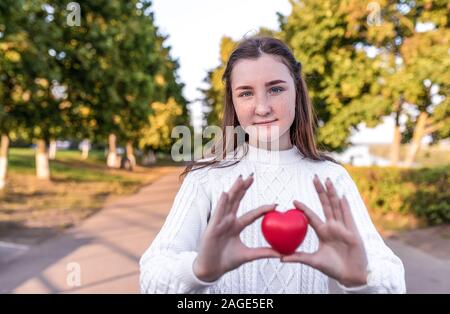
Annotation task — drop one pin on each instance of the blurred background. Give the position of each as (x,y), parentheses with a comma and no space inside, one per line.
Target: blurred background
(90,92)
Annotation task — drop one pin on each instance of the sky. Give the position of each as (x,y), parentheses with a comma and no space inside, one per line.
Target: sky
(195,28)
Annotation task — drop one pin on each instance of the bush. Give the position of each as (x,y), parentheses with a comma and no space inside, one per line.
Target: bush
(399,198)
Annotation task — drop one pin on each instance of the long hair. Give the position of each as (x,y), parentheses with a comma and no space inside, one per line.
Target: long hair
(304,124)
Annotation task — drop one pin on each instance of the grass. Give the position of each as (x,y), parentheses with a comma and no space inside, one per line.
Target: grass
(32,209)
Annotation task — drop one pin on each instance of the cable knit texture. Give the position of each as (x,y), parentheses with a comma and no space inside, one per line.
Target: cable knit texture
(279,177)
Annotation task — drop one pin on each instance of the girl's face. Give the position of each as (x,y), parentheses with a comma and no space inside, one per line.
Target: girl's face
(263,90)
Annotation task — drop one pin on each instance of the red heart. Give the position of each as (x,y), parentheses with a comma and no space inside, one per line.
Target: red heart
(285,231)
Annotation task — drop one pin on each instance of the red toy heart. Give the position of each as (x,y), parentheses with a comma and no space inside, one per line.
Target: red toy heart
(285,231)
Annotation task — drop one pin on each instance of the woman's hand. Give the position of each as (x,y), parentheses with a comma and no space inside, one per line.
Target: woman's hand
(341,254)
(221,248)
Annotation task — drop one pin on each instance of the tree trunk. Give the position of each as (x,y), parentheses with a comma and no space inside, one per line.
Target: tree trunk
(395,146)
(130,154)
(111,160)
(419,132)
(3,159)
(52,150)
(42,167)
(85,145)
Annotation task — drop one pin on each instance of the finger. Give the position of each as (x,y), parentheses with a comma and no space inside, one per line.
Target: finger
(240,194)
(334,200)
(252,254)
(323,198)
(251,216)
(235,188)
(221,208)
(313,219)
(301,257)
(347,214)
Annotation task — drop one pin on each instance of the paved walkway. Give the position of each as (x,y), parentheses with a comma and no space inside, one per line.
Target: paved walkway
(104,251)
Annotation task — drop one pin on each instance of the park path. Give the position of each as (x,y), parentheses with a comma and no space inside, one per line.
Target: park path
(106,248)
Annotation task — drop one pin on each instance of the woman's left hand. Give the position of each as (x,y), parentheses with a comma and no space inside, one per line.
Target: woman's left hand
(341,254)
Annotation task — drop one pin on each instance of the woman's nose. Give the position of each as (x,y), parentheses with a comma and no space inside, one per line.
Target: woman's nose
(262,106)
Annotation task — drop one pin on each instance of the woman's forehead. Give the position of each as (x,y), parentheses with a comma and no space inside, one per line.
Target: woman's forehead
(258,71)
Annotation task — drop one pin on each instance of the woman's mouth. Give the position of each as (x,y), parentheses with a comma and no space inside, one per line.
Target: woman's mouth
(265,122)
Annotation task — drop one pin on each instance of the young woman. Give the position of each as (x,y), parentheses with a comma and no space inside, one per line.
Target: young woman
(212,242)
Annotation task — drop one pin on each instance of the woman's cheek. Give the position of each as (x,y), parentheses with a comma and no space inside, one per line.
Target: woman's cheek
(244,116)
(285,113)
(282,108)
(289,107)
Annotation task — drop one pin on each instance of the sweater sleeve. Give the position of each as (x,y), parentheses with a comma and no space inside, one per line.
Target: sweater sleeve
(385,270)
(166,266)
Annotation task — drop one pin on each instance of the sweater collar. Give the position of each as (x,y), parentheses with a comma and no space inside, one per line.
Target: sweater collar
(261,155)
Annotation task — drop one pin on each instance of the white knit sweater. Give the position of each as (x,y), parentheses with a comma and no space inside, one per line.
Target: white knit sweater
(279,177)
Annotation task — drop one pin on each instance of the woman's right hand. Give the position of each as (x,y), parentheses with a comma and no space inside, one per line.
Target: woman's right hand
(221,248)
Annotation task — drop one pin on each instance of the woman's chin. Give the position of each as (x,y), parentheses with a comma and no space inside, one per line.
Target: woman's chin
(264,139)
(264,133)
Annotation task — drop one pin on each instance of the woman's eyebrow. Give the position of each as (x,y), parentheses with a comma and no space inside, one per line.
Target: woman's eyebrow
(266,84)
(274,82)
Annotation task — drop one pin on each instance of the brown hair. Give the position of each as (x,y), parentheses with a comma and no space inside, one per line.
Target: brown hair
(302,129)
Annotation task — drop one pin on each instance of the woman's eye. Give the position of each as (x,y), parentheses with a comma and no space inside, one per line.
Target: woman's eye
(276,90)
(245,94)
(273,90)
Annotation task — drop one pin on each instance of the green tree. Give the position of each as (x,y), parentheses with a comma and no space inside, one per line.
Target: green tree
(29,84)
(11,49)
(349,86)
(88,81)
(413,43)
(425,84)
(330,41)
(157,134)
(114,67)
